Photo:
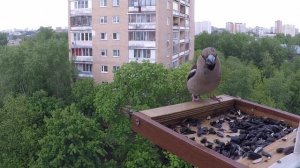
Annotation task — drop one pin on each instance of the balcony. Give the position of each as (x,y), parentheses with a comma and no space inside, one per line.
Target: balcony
(141,26)
(142,9)
(185,2)
(81,28)
(140,60)
(82,58)
(84,11)
(85,74)
(176,13)
(77,44)
(141,44)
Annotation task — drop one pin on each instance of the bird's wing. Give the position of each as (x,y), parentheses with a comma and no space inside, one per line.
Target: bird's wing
(192,72)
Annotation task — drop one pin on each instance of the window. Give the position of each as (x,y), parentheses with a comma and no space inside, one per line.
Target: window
(115,19)
(168,4)
(103,19)
(116,53)
(103,36)
(103,52)
(82,52)
(142,53)
(115,68)
(116,36)
(142,18)
(133,3)
(104,69)
(80,21)
(82,67)
(103,3)
(175,6)
(168,21)
(142,36)
(84,36)
(116,2)
(80,4)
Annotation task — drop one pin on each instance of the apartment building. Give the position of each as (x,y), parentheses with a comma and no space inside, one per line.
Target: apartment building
(105,34)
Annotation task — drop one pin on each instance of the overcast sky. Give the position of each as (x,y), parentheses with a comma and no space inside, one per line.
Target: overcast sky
(35,13)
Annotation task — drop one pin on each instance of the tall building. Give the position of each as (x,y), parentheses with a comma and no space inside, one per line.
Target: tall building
(289,30)
(230,27)
(204,26)
(105,34)
(278,26)
(240,28)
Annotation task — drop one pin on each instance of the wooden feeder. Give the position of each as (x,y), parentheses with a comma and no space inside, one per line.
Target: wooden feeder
(153,125)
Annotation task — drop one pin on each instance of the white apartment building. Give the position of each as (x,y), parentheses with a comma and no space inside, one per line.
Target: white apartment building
(204,26)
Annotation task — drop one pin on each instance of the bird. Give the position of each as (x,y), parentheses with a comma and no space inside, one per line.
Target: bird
(205,75)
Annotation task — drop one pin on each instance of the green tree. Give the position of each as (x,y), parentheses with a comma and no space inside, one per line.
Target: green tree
(72,140)
(22,125)
(83,95)
(238,78)
(3,39)
(40,62)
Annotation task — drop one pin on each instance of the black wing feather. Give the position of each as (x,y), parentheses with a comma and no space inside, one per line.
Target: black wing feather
(192,72)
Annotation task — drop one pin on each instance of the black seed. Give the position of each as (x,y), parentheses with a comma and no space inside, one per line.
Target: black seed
(279,150)
(220,134)
(288,150)
(235,139)
(212,131)
(186,130)
(253,156)
(203,140)
(209,145)
(217,141)
(192,138)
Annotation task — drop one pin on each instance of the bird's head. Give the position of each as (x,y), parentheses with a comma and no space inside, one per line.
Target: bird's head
(209,55)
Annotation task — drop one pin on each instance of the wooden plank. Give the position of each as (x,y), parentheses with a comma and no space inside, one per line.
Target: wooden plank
(178,108)
(180,145)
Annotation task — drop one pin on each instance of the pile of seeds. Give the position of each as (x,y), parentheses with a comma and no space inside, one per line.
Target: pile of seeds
(246,135)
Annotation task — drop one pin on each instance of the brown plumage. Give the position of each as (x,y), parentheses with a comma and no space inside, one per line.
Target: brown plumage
(205,76)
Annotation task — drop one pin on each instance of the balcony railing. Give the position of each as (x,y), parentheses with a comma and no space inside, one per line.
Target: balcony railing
(141,26)
(85,11)
(85,74)
(82,58)
(141,44)
(142,9)
(77,44)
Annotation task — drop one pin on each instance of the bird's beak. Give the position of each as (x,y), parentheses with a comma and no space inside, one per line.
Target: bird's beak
(210,60)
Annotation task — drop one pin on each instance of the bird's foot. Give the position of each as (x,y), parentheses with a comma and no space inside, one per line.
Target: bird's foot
(195,98)
(219,99)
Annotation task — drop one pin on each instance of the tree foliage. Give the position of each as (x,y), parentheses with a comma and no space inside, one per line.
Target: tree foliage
(40,62)
(3,39)
(72,140)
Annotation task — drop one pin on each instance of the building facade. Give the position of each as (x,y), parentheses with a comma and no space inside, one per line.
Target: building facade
(278,26)
(289,30)
(204,26)
(105,34)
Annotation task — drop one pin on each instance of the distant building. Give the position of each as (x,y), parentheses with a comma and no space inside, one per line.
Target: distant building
(259,31)
(278,26)
(289,30)
(240,28)
(104,35)
(201,27)
(230,27)
(236,27)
